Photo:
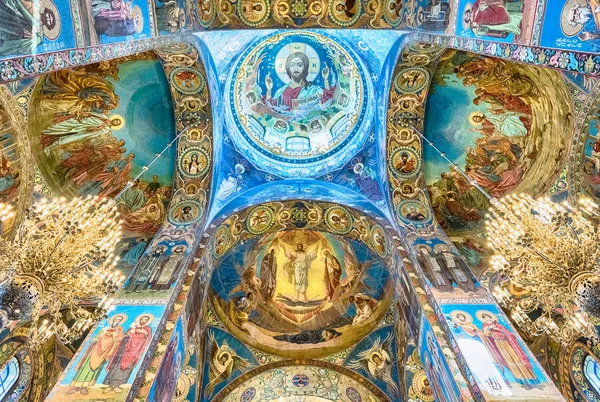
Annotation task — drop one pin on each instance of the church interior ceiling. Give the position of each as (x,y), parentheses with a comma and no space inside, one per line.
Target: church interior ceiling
(330,311)
(260,249)
(265,141)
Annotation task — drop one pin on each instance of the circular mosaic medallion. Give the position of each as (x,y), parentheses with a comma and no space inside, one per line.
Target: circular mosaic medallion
(298,8)
(393,12)
(187,80)
(297,100)
(404,162)
(345,13)
(413,211)
(207,10)
(183,388)
(378,240)
(300,380)
(420,385)
(353,394)
(248,394)
(194,163)
(186,212)
(253,12)
(260,219)
(411,80)
(339,220)
(221,241)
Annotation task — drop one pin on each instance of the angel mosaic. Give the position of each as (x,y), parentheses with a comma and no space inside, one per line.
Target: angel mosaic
(223,362)
(377,361)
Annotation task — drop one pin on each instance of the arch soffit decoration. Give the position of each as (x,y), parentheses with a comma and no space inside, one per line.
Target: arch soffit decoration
(572,372)
(300,215)
(242,379)
(214,14)
(16,346)
(186,72)
(411,80)
(290,188)
(410,84)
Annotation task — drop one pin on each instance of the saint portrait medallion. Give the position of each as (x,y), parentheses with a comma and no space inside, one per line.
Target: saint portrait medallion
(393,12)
(260,219)
(339,220)
(207,11)
(412,80)
(187,80)
(221,241)
(345,13)
(194,162)
(404,162)
(254,12)
(413,211)
(378,241)
(186,212)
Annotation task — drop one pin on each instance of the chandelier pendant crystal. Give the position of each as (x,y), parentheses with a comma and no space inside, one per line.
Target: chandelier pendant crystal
(551,253)
(60,267)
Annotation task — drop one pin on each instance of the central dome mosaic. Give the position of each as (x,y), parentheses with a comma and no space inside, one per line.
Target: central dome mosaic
(296,100)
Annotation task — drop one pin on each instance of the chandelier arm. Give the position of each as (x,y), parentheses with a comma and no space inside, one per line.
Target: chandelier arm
(542,256)
(574,233)
(60,241)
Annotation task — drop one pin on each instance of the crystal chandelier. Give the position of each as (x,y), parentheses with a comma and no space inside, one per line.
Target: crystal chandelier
(550,251)
(59,271)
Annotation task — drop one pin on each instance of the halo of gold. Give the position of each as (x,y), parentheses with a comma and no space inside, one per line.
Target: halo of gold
(139,21)
(419,387)
(118,126)
(566,28)
(472,115)
(138,318)
(455,319)
(51,34)
(112,318)
(308,50)
(479,314)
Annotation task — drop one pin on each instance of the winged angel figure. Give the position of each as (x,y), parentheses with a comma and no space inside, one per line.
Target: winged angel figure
(223,362)
(377,361)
